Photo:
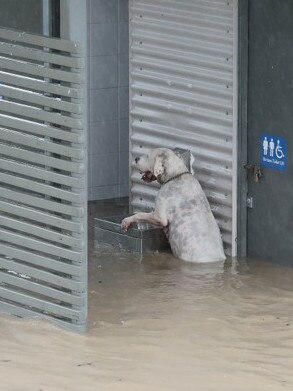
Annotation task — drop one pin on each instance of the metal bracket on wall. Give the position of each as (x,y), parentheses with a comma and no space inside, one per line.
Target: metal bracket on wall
(249,202)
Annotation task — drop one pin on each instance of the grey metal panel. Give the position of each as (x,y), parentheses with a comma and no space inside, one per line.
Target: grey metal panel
(40,129)
(182,94)
(33,54)
(43,200)
(40,188)
(31,39)
(25,311)
(37,259)
(39,99)
(40,85)
(27,284)
(243,35)
(40,70)
(34,157)
(39,114)
(35,172)
(269,110)
(38,304)
(39,232)
(36,201)
(41,216)
(9,135)
(45,276)
(35,244)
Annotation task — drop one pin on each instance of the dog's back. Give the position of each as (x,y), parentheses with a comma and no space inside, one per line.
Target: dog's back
(194,234)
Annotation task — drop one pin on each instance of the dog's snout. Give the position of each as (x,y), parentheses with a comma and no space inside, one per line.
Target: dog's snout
(136,159)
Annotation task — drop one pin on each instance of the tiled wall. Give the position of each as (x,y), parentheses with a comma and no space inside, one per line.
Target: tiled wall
(108,99)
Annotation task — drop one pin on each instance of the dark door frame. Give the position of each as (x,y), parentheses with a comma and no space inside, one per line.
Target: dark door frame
(243,42)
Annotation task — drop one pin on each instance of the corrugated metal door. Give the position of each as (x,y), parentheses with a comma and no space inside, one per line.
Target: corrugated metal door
(183,94)
(43,200)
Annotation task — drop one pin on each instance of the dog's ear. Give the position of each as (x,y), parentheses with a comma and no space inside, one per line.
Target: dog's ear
(160,167)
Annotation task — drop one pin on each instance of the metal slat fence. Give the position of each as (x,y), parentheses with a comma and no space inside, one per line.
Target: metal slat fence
(43,200)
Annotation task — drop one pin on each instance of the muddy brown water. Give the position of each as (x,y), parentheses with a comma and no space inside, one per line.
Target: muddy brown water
(162,324)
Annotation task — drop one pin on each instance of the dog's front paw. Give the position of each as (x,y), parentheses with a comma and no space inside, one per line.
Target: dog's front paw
(126,223)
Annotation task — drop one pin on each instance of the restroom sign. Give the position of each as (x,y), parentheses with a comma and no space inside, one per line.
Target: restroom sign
(273,152)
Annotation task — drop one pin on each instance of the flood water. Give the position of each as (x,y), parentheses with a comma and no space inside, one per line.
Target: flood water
(162,324)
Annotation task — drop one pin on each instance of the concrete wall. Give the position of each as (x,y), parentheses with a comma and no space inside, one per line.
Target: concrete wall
(108,99)
(26,15)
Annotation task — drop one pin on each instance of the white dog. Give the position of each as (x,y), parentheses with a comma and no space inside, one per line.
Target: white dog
(181,206)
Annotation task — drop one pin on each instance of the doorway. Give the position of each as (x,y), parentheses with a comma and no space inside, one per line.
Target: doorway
(108,123)
(269,133)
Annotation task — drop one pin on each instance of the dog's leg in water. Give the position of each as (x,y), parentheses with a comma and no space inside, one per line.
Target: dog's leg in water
(142,217)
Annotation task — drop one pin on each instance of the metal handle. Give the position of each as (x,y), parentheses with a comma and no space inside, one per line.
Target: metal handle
(256,171)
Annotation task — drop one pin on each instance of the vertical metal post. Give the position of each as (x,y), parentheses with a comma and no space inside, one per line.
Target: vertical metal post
(46,17)
(235,131)
(242,125)
(74,26)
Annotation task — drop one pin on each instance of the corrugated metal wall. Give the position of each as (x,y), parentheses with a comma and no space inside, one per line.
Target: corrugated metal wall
(183,94)
(43,198)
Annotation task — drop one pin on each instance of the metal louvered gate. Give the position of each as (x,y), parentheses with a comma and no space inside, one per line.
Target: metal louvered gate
(183,89)
(43,199)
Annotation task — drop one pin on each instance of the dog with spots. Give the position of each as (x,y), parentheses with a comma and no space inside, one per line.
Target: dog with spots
(181,207)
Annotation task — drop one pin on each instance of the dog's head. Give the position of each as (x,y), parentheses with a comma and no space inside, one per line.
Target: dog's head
(160,164)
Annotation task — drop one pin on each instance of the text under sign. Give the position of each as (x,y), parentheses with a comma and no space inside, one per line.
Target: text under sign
(274,153)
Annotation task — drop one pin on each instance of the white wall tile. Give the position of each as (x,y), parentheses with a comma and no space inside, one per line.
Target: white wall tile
(103,38)
(124,135)
(123,102)
(103,104)
(102,11)
(104,192)
(123,70)
(105,169)
(104,137)
(104,71)
(108,97)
